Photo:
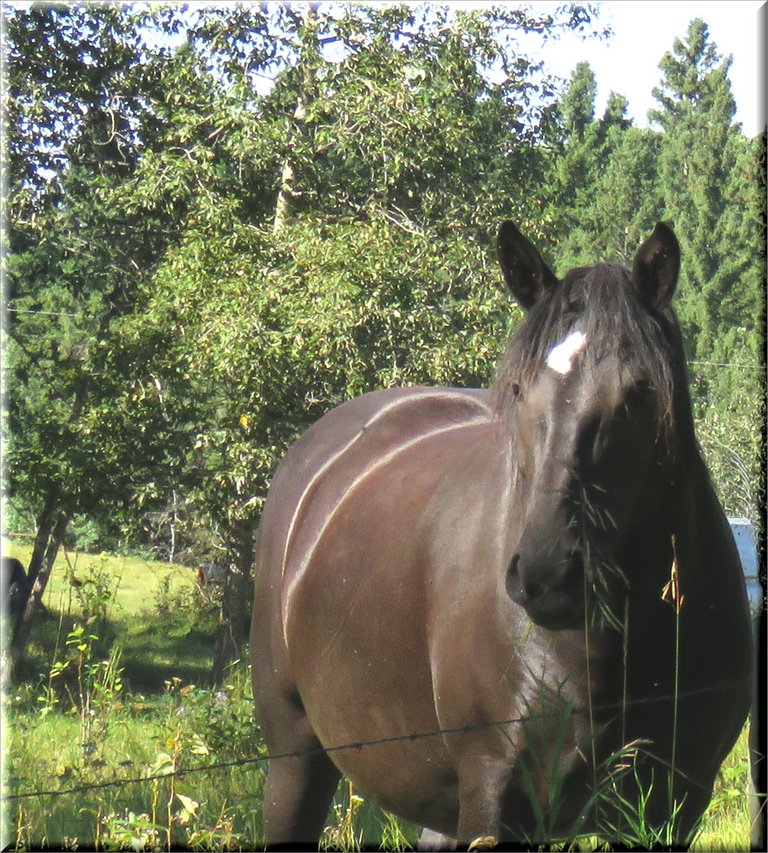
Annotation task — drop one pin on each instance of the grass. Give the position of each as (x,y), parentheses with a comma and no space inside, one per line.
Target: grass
(228,802)
(151,613)
(151,712)
(727,823)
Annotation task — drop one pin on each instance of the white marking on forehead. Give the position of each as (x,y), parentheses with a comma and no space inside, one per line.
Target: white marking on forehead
(560,357)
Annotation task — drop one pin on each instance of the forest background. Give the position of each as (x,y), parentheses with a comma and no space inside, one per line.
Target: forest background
(222,221)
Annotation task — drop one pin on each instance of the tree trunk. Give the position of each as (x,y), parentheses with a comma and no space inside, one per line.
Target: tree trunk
(296,127)
(45,524)
(47,543)
(233,623)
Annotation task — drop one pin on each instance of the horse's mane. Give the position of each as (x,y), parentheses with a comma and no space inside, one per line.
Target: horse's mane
(616,323)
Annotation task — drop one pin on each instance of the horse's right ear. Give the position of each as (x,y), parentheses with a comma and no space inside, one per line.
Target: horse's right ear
(526,274)
(656,267)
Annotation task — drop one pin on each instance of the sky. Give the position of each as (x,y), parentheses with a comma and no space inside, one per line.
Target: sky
(644,30)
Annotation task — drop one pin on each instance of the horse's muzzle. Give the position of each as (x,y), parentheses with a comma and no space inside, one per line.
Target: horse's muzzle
(551,593)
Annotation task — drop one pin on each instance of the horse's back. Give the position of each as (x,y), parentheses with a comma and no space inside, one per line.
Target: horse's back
(339,450)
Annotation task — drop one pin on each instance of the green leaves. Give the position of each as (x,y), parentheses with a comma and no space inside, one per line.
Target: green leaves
(187,344)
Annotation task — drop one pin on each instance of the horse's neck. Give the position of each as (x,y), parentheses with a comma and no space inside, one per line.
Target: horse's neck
(686,541)
(700,524)
(710,574)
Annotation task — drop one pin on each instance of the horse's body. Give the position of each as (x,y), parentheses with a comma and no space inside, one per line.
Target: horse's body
(428,582)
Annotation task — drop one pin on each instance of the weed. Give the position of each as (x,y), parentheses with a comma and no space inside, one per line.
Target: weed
(219,837)
(131,831)
(95,590)
(396,834)
(183,609)
(344,835)
(634,829)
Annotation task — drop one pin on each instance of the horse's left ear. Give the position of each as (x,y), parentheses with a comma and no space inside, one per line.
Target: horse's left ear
(656,267)
(526,274)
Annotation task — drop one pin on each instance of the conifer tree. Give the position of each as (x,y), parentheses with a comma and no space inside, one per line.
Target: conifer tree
(712,180)
(698,158)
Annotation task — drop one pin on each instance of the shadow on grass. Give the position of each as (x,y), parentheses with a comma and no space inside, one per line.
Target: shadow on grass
(151,658)
(152,652)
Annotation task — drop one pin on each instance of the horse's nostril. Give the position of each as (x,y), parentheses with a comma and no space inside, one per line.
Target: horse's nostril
(521,587)
(527,582)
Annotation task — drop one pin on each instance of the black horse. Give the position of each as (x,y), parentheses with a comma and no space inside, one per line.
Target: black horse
(516,614)
(15,585)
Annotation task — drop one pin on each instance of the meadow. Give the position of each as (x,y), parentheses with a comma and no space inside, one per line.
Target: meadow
(115,721)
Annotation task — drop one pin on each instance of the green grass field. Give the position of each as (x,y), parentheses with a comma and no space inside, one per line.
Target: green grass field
(146,710)
(143,613)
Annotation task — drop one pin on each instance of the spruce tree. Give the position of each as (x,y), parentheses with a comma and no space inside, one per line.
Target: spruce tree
(713,189)
(698,158)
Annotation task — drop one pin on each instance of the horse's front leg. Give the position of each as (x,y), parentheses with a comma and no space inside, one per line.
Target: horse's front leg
(431,840)
(482,789)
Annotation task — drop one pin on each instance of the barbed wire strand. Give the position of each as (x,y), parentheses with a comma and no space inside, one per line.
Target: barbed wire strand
(46,313)
(362,744)
(726,364)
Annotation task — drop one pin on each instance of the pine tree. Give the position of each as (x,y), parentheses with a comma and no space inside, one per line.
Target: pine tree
(697,164)
(601,197)
(578,103)
(712,180)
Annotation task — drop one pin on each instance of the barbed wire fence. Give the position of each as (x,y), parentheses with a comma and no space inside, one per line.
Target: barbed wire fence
(182,772)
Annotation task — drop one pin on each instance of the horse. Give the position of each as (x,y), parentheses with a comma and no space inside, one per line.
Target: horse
(15,586)
(511,614)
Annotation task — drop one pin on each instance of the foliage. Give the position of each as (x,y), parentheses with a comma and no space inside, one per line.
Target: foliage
(149,610)
(712,177)
(76,257)
(224,220)
(609,182)
(183,725)
(701,179)
(98,730)
(400,142)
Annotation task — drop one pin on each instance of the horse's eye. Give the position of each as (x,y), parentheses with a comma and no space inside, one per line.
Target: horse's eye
(637,391)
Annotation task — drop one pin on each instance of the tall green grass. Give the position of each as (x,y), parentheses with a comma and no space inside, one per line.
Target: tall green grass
(159,715)
(156,613)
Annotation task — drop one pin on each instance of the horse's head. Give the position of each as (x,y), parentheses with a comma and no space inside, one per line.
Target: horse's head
(588,385)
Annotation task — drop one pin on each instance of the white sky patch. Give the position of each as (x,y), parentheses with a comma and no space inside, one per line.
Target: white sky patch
(560,357)
(643,31)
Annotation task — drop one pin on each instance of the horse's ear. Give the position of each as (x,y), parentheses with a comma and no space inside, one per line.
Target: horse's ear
(526,274)
(657,265)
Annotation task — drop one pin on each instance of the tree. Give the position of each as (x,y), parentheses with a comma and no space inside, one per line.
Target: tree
(378,160)
(696,167)
(627,200)
(600,185)
(77,260)
(713,183)
(578,102)
(204,338)
(615,114)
